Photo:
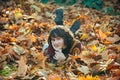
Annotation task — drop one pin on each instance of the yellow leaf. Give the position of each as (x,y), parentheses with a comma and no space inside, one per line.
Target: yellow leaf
(18,15)
(102,35)
(94,47)
(96,78)
(88,77)
(84,36)
(108,33)
(81,78)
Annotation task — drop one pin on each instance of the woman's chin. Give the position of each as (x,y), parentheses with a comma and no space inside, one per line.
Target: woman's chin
(58,48)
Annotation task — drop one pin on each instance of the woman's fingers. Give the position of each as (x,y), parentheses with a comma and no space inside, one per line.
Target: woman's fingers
(59,56)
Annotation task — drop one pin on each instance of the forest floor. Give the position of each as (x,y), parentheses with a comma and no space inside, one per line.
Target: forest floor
(25,26)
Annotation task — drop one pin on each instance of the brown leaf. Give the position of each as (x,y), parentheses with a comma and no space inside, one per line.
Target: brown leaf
(22,67)
(113,39)
(115,72)
(113,66)
(3,20)
(54,76)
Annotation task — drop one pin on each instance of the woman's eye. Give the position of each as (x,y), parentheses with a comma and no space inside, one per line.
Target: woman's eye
(52,39)
(58,38)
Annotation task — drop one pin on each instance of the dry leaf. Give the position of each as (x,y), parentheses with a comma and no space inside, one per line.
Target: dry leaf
(36,8)
(116,72)
(113,39)
(102,35)
(12,39)
(13,27)
(22,67)
(19,50)
(54,76)
(18,13)
(3,20)
(84,69)
(84,36)
(94,48)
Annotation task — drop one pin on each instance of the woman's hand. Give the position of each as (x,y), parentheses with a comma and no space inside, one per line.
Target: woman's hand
(59,56)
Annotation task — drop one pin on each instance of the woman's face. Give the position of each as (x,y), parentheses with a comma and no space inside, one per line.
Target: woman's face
(58,43)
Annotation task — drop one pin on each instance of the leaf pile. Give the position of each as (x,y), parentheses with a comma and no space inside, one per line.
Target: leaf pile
(24,28)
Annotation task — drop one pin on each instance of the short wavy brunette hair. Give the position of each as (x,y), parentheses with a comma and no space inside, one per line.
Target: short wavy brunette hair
(61,31)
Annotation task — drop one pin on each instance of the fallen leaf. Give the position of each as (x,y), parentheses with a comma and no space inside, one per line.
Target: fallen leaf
(94,48)
(102,35)
(36,8)
(13,27)
(12,39)
(113,39)
(22,67)
(84,69)
(19,50)
(116,72)
(54,76)
(84,36)
(18,15)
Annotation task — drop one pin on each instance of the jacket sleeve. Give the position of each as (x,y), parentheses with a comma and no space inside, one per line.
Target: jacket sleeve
(49,53)
(76,50)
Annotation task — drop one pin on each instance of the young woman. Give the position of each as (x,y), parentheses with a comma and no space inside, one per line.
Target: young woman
(61,43)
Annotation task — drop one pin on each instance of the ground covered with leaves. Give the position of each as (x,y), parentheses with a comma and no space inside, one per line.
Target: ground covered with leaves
(24,28)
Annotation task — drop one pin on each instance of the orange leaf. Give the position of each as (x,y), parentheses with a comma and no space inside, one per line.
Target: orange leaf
(13,27)
(40,56)
(76,57)
(13,39)
(68,23)
(54,76)
(4,15)
(32,37)
(106,42)
(102,35)
(118,47)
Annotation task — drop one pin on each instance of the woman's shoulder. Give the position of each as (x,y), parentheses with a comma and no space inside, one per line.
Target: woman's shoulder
(76,47)
(77,43)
